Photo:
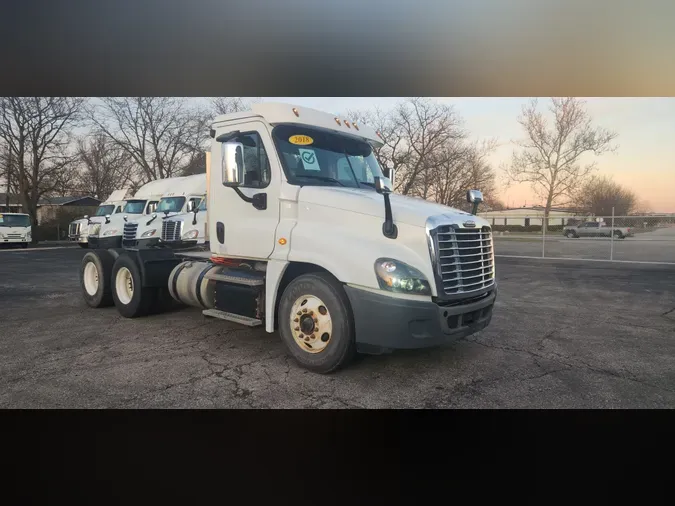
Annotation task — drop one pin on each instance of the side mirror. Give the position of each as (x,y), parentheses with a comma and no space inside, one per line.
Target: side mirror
(232,156)
(191,206)
(474,197)
(382,185)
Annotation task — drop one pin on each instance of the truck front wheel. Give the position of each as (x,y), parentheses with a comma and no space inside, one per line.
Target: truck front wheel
(131,298)
(316,323)
(95,271)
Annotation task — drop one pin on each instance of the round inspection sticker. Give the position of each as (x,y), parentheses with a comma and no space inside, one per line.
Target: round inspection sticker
(301,140)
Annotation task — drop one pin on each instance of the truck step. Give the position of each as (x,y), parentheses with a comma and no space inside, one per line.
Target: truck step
(237,277)
(231,317)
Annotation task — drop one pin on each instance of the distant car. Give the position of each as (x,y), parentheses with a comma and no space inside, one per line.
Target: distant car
(596,229)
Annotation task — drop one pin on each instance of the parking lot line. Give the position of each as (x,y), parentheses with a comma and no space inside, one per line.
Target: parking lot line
(26,250)
(586,260)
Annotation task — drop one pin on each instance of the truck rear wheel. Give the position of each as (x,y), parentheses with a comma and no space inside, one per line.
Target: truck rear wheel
(130,297)
(95,271)
(316,324)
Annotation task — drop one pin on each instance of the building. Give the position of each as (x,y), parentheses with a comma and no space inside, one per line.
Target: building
(50,207)
(531,216)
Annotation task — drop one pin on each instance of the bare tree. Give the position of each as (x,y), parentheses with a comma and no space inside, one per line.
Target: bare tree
(104,166)
(37,133)
(160,134)
(551,156)
(600,194)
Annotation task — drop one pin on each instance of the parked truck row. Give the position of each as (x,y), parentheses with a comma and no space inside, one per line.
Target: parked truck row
(294,227)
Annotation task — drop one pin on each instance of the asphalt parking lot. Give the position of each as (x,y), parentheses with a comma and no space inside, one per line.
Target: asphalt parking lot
(564,335)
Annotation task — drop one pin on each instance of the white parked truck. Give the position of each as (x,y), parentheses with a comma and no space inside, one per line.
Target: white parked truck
(78,230)
(306,237)
(15,229)
(143,204)
(186,230)
(184,194)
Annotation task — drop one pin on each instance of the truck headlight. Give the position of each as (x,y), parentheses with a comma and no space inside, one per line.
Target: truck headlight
(396,276)
(112,231)
(149,233)
(192,234)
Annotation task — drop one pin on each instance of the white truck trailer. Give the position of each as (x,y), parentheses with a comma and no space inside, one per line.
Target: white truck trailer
(15,229)
(78,230)
(306,237)
(183,196)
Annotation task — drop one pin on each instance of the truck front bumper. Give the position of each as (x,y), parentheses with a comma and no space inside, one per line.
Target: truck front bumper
(105,242)
(383,323)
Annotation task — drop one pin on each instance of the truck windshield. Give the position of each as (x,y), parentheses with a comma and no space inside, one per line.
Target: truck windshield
(312,156)
(171,204)
(14,220)
(134,207)
(103,210)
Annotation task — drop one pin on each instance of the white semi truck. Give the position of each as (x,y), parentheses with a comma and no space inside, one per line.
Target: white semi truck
(186,230)
(78,230)
(306,237)
(184,195)
(142,206)
(15,229)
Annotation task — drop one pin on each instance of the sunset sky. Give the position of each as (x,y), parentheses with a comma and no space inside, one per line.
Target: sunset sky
(644,161)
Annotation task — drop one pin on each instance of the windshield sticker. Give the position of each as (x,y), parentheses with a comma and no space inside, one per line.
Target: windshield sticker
(301,140)
(309,159)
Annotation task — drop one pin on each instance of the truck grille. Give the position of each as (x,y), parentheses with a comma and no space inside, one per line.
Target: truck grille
(74,229)
(464,259)
(130,231)
(14,236)
(171,230)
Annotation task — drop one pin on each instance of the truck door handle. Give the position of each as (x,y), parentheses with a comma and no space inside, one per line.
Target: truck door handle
(220,232)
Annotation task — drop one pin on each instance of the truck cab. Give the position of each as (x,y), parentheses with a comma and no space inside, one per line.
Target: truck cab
(143,204)
(307,238)
(78,229)
(15,229)
(183,195)
(186,230)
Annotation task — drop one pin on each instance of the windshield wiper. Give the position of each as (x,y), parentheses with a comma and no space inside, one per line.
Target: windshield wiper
(322,178)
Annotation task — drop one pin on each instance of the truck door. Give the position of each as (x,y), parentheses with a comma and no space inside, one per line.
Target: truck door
(236,227)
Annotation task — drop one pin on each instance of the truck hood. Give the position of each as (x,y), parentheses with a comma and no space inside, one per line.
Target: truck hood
(408,210)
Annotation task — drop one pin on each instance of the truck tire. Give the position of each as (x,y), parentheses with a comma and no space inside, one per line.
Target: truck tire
(131,298)
(618,234)
(316,323)
(95,271)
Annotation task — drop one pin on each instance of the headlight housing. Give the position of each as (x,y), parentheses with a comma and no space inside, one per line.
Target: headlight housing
(149,233)
(191,234)
(108,233)
(395,276)
(94,230)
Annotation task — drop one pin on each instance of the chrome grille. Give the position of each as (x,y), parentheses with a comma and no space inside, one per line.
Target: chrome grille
(14,236)
(464,259)
(171,230)
(129,233)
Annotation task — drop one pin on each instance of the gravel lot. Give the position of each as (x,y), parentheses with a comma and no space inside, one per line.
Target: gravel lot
(564,335)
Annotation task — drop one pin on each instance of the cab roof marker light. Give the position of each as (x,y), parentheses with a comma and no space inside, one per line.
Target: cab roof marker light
(337,120)
(295,111)
(355,126)
(347,124)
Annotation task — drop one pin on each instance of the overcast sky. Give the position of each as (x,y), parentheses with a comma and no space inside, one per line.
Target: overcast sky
(645,160)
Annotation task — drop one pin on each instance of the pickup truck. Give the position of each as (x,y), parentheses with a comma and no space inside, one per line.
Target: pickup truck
(596,229)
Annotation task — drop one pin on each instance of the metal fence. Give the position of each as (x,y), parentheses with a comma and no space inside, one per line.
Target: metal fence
(643,238)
